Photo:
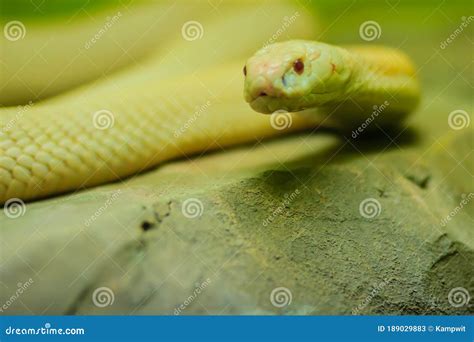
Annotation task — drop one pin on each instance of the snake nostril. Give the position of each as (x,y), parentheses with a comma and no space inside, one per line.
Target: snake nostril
(262,94)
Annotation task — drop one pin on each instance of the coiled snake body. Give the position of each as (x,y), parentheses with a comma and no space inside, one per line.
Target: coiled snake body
(129,124)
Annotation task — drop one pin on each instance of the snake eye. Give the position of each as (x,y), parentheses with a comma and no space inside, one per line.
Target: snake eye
(298,66)
(245,70)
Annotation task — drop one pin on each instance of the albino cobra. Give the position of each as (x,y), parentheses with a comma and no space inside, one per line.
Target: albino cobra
(298,75)
(131,123)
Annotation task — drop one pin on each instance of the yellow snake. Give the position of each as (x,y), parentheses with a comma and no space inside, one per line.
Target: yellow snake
(189,100)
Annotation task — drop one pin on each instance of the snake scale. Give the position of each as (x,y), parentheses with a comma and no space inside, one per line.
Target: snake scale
(173,107)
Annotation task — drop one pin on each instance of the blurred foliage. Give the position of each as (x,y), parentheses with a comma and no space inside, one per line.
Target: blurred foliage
(44,9)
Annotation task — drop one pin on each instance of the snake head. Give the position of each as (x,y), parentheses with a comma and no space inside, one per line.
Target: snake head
(294,76)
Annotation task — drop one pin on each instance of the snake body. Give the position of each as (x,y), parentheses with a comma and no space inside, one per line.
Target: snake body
(141,118)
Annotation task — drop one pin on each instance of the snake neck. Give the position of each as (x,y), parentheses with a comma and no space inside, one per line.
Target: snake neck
(381,76)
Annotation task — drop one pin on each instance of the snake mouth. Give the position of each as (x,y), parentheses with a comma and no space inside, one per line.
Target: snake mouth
(288,93)
(259,106)
(271,104)
(268,102)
